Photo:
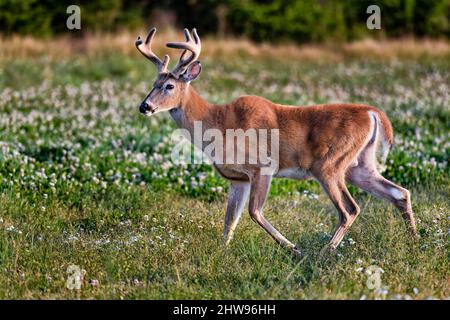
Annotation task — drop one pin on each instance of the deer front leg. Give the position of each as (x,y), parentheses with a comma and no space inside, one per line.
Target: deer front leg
(237,196)
(260,185)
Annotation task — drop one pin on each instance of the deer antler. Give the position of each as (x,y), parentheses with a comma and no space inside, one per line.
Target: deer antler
(146,49)
(192,45)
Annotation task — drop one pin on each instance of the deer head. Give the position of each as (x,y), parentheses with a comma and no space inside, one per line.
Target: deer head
(170,86)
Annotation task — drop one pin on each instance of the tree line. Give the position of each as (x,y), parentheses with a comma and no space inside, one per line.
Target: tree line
(260,20)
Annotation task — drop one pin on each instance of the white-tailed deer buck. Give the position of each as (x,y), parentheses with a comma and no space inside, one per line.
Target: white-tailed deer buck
(332,143)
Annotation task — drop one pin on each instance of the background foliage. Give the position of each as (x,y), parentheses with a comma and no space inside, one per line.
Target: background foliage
(295,20)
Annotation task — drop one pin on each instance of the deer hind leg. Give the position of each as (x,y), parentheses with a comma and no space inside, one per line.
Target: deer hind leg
(347,208)
(260,185)
(237,196)
(367,177)
(370,180)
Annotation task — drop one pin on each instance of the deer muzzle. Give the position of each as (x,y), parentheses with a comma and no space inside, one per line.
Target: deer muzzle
(146,108)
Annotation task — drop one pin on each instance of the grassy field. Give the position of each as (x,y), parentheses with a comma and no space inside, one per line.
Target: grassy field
(86,180)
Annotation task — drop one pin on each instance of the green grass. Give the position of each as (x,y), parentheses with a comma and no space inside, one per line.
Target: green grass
(85,180)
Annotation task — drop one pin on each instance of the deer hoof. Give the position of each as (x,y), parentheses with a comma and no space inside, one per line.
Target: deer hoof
(296,252)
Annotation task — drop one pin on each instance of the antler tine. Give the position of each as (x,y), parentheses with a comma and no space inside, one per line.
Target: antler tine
(193,45)
(146,49)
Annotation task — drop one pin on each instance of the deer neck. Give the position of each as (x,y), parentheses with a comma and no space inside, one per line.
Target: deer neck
(193,109)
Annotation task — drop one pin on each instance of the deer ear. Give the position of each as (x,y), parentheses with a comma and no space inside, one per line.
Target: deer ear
(193,71)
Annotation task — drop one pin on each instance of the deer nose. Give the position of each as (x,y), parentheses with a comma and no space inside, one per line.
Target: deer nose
(143,108)
(146,107)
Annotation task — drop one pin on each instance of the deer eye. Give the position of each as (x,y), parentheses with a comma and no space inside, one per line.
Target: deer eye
(169,86)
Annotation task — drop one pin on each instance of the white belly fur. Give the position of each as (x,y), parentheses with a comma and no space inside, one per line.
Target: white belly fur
(293,173)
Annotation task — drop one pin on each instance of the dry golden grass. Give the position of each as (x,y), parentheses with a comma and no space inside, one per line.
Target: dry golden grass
(123,42)
(392,49)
